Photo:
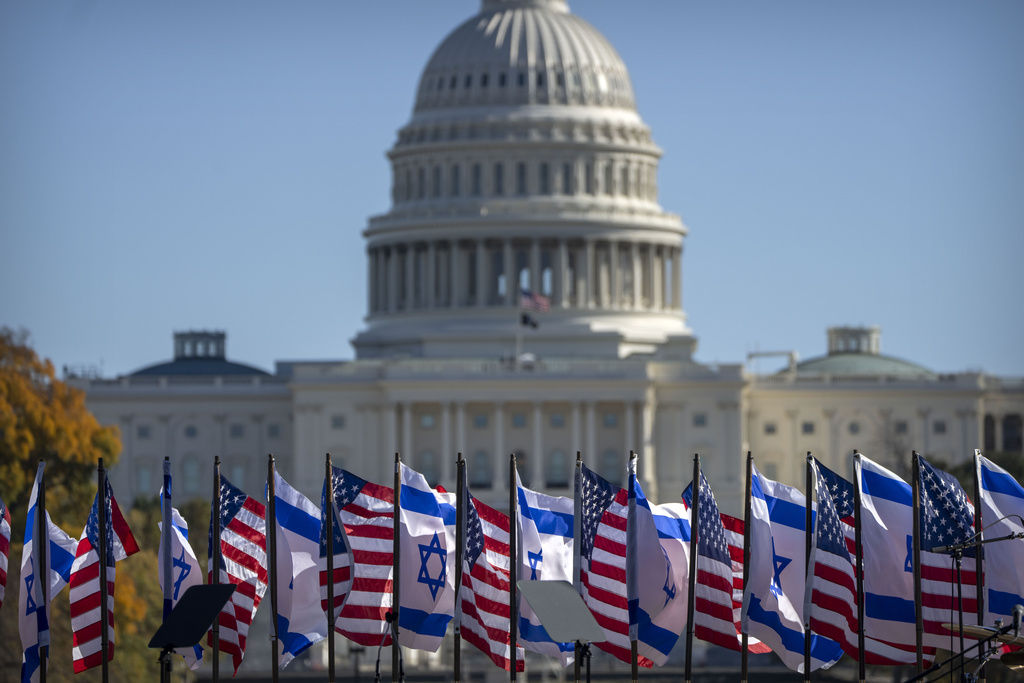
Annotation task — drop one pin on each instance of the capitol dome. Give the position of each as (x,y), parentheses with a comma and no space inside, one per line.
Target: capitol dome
(525,166)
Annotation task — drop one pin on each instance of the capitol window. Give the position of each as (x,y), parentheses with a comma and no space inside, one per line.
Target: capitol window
(191,431)
(427,421)
(501,79)
(566,178)
(237,431)
(142,432)
(421,183)
(499,180)
(540,79)
(477,180)
(939,427)
(469,80)
(700,420)
(769,428)
(854,428)
(437,181)
(453,83)
(522,79)
(545,184)
(483,80)
(610,420)
(480,470)
(520,179)
(337,421)
(807,428)
(900,427)
(480,421)
(518,420)
(455,180)
(557,420)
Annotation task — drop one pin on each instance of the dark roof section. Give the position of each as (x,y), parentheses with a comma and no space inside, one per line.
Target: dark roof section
(200,366)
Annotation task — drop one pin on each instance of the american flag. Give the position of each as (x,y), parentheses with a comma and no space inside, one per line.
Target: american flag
(341,565)
(946,518)
(5,547)
(528,301)
(833,585)
(86,611)
(485,584)
(366,512)
(714,619)
(734,540)
(242,561)
(603,566)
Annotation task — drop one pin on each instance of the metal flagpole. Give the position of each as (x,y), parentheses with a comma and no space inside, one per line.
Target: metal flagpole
(461,514)
(42,540)
(165,539)
(916,558)
(396,546)
(859,569)
(513,565)
(272,551)
(214,563)
(630,520)
(979,556)
(577,548)
(809,489)
(690,598)
(329,536)
(101,518)
(744,655)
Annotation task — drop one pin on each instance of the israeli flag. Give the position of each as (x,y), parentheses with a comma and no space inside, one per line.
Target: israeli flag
(773,601)
(427,563)
(301,620)
(657,566)
(545,554)
(1001,497)
(886,519)
(184,572)
(33,609)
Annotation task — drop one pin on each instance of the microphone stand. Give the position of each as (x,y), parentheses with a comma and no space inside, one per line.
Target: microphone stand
(932,670)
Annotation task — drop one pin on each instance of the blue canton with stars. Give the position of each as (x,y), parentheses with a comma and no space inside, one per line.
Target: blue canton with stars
(433,548)
(231,500)
(474,541)
(346,487)
(710,532)
(841,491)
(829,535)
(597,496)
(945,516)
(92,526)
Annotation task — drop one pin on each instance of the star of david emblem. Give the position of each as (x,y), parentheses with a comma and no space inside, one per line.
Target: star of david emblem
(179,562)
(30,605)
(779,563)
(535,559)
(670,584)
(434,547)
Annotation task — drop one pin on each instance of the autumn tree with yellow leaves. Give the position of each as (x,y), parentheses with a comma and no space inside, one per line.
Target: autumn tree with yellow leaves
(42,418)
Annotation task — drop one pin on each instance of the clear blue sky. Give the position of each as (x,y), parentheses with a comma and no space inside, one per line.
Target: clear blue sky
(211,165)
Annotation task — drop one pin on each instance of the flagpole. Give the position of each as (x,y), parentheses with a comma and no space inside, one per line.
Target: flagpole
(979,576)
(808,478)
(272,551)
(916,558)
(460,540)
(690,598)
(744,655)
(577,548)
(42,539)
(215,565)
(396,550)
(329,536)
(634,655)
(101,518)
(859,558)
(513,565)
(165,539)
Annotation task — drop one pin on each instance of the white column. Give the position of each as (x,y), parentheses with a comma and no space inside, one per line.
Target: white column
(997,427)
(371,282)
(648,456)
(615,275)
(537,466)
(500,456)
(429,275)
(649,277)
(638,275)
(410,276)
(590,452)
(406,450)
(677,280)
(482,286)
(393,266)
(508,265)
(562,275)
(447,453)
(535,281)
(589,277)
(456,282)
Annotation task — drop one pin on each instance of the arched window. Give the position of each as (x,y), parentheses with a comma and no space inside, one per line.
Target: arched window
(611,467)
(558,471)
(480,470)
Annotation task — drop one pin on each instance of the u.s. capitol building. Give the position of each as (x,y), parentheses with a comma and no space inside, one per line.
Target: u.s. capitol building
(526,166)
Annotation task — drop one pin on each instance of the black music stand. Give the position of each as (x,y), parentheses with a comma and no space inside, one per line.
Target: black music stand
(189,621)
(563,614)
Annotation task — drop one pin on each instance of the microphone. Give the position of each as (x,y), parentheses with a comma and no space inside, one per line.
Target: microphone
(1018,614)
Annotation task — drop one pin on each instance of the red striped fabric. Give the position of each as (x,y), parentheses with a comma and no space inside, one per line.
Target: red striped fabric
(87,612)
(5,547)
(734,539)
(242,562)
(485,586)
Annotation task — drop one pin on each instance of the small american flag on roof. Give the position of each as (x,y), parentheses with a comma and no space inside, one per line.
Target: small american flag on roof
(528,301)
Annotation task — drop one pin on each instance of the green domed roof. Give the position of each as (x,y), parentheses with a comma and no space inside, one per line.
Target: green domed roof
(864,364)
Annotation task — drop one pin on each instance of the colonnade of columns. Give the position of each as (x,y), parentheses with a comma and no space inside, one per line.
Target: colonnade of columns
(605,273)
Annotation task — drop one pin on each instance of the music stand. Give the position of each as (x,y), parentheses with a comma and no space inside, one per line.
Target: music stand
(563,615)
(190,619)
